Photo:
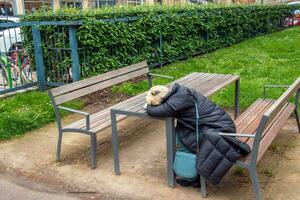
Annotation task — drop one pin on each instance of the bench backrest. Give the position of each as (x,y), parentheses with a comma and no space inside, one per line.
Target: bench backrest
(81,88)
(274,110)
(269,116)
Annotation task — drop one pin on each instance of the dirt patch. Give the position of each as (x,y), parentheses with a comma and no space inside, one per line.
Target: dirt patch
(102,99)
(143,164)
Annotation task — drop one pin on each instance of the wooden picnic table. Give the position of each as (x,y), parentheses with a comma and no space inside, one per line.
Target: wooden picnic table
(204,83)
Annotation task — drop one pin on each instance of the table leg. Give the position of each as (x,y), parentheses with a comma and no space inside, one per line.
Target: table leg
(115,142)
(236,98)
(171,146)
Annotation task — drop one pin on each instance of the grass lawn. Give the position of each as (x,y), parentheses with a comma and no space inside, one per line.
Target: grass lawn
(270,59)
(25,112)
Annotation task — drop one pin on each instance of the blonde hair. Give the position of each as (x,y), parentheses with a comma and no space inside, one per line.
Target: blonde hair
(156,95)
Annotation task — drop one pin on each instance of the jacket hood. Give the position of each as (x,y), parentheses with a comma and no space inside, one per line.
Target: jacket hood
(172,92)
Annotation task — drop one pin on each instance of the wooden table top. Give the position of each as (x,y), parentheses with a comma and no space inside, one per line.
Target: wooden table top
(204,83)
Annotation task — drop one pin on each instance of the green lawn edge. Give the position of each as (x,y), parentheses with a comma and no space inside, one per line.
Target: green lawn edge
(269,59)
(27,111)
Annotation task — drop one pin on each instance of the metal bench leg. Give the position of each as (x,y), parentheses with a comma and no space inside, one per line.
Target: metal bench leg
(115,142)
(296,109)
(203,186)
(58,151)
(255,183)
(171,142)
(236,98)
(93,151)
(297,119)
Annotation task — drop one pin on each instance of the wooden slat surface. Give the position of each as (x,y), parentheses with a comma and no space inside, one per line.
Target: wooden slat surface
(250,109)
(270,134)
(97,79)
(277,112)
(248,122)
(205,83)
(251,123)
(99,86)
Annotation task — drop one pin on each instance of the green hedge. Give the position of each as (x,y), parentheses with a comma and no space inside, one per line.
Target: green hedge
(107,45)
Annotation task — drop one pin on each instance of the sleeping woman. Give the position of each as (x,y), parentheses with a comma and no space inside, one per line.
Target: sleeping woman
(179,102)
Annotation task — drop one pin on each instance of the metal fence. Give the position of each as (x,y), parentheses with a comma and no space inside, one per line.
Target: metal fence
(51,56)
(20,69)
(16,69)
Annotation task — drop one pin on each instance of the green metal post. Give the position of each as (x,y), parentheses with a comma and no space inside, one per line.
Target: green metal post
(39,61)
(206,32)
(293,16)
(161,49)
(74,54)
(7,67)
(19,67)
(161,38)
(52,5)
(9,76)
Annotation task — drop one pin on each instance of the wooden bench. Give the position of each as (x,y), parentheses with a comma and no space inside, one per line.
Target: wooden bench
(259,125)
(94,123)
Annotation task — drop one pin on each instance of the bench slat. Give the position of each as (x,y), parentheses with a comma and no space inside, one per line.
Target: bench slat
(102,85)
(271,131)
(100,78)
(283,99)
(254,113)
(256,118)
(245,113)
(271,123)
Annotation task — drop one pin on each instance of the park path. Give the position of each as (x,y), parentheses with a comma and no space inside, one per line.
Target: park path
(143,165)
(14,188)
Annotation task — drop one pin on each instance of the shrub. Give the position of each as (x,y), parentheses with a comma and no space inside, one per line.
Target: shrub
(158,34)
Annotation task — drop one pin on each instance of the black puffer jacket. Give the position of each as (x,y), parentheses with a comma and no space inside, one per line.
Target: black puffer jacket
(215,155)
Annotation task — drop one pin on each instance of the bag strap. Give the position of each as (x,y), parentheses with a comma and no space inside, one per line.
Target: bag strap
(197,127)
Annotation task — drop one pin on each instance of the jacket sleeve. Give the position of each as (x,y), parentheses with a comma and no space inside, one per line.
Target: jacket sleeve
(162,110)
(171,108)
